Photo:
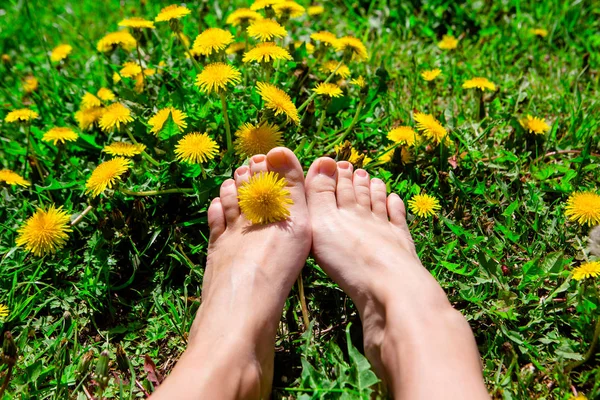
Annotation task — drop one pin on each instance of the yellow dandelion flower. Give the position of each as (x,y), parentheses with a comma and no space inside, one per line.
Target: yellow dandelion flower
(12,178)
(215,77)
(587,270)
(431,74)
(196,148)
(448,42)
(260,4)
(278,101)
(540,32)
(328,89)
(578,397)
(124,149)
(21,115)
(60,52)
(60,135)
(330,66)
(235,48)
(243,16)
(534,125)
(44,232)
(479,83)
(360,82)
(212,40)
(257,139)
(289,8)
(88,117)
(4,311)
(137,23)
(266,29)
(106,175)
(115,115)
(424,205)
(584,208)
(266,52)
(404,135)
(130,70)
(172,12)
(158,120)
(353,46)
(264,198)
(325,37)
(431,127)
(89,101)
(315,10)
(114,39)
(105,94)
(30,84)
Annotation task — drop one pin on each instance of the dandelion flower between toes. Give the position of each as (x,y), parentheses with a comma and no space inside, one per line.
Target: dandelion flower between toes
(264,198)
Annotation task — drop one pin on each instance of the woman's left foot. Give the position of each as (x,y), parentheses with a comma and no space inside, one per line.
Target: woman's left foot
(249,273)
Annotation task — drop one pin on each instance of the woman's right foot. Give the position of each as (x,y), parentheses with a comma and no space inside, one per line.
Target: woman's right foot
(411,332)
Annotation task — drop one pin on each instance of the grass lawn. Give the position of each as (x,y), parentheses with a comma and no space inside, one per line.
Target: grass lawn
(506,165)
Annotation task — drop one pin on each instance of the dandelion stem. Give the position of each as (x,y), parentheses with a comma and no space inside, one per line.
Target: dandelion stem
(83,214)
(147,156)
(303,306)
(26,148)
(312,96)
(187,49)
(156,192)
(139,54)
(321,121)
(226,120)
(352,123)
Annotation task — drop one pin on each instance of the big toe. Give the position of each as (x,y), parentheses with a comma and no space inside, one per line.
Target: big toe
(284,162)
(321,185)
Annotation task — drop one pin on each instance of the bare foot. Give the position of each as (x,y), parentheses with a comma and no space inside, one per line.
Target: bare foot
(250,271)
(362,241)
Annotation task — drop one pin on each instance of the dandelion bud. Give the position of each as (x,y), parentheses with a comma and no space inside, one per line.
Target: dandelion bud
(84,363)
(9,349)
(175,25)
(122,360)
(594,241)
(101,376)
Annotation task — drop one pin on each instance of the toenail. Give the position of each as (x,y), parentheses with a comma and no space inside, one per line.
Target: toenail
(258,158)
(242,170)
(362,173)
(228,182)
(344,165)
(377,181)
(327,167)
(277,158)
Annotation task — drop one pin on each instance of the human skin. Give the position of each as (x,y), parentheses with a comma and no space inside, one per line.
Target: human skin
(418,344)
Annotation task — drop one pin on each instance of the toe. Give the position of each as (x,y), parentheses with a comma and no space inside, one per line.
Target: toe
(396,211)
(345,189)
(378,198)
(241,175)
(216,219)
(320,186)
(285,163)
(362,192)
(258,164)
(229,201)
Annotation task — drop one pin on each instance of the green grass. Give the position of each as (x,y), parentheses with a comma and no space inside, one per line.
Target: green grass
(130,275)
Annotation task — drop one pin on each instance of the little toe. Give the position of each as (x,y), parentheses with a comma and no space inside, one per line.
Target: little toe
(229,201)
(362,192)
(285,163)
(378,198)
(241,175)
(320,185)
(216,219)
(345,189)
(258,164)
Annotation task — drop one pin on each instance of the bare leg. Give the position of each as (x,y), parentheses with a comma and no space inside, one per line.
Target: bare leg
(249,273)
(418,344)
